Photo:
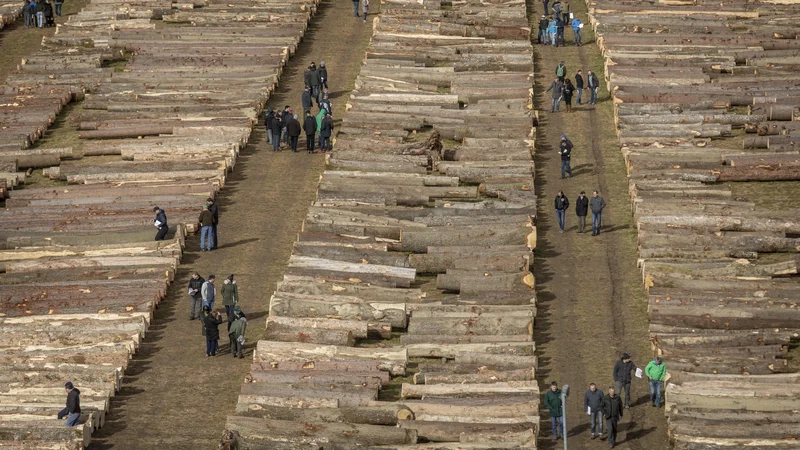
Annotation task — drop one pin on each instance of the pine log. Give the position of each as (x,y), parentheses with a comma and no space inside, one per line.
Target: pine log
(343,434)
(368,415)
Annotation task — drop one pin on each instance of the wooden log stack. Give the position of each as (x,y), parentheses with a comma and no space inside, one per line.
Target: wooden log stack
(10,11)
(688,80)
(80,274)
(404,319)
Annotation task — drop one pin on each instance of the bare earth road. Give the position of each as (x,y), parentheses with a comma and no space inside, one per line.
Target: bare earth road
(173,396)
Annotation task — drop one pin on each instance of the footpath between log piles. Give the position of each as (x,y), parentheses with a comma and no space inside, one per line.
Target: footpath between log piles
(688,82)
(81,274)
(405,316)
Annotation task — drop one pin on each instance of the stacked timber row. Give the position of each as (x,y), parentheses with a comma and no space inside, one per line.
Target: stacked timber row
(706,93)
(10,11)
(404,319)
(80,274)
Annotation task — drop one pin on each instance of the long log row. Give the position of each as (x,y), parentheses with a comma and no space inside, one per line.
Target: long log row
(80,272)
(404,318)
(688,80)
(10,11)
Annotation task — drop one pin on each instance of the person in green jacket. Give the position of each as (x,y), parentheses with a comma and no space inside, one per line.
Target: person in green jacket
(236,333)
(230,296)
(552,400)
(656,370)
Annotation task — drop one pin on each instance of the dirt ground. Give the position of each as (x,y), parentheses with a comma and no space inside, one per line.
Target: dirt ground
(591,302)
(174,397)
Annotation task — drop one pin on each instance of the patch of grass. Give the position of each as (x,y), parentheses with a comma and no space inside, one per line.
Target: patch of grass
(773,195)
(119,64)
(64,132)
(38,180)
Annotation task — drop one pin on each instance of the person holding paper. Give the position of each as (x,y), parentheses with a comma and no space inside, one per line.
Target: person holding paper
(593,405)
(656,370)
(612,412)
(576,29)
(622,377)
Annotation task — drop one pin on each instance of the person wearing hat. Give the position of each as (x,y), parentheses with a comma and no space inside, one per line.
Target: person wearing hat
(206,221)
(656,370)
(622,377)
(543,22)
(73,410)
(230,296)
(552,400)
(236,332)
(582,210)
(565,150)
(161,223)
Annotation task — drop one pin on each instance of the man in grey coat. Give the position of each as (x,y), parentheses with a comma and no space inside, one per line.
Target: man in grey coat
(593,405)
(209,292)
(596,204)
(558,93)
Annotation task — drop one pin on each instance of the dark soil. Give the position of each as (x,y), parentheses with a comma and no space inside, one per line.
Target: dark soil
(174,397)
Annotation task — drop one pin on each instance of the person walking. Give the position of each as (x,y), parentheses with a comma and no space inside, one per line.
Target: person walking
(656,370)
(597,203)
(593,405)
(209,292)
(581,210)
(160,223)
(310,127)
(356,4)
(558,93)
(552,29)
(365,8)
(576,30)
(315,82)
(325,133)
(323,74)
(561,204)
(293,129)
(561,71)
(545,3)
(565,150)
(206,221)
(579,86)
(236,332)
(73,410)
(612,412)
(552,400)
(212,206)
(568,90)
(195,296)
(560,32)
(230,295)
(306,100)
(269,116)
(211,321)
(622,377)
(594,85)
(59,4)
(276,126)
(542,37)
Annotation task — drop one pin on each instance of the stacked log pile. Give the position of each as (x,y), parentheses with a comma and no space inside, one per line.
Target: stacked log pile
(404,319)
(10,11)
(80,272)
(706,93)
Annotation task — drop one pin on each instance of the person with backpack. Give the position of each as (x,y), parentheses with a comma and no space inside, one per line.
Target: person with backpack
(561,71)
(594,85)
(565,150)
(561,204)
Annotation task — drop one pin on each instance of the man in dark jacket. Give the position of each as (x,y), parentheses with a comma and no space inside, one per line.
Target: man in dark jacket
(161,223)
(306,99)
(579,85)
(195,297)
(560,33)
(211,322)
(561,204)
(597,203)
(310,127)
(40,13)
(323,74)
(212,206)
(325,104)
(594,85)
(307,77)
(285,114)
(593,405)
(543,23)
(73,410)
(565,150)
(622,377)
(581,210)
(269,116)
(315,82)
(612,411)
(558,92)
(293,129)
(276,127)
(325,132)
(552,400)
(59,4)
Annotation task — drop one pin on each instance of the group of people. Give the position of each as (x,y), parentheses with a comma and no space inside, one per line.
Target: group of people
(582,206)
(607,409)
(203,293)
(551,29)
(563,89)
(364,8)
(284,126)
(208,220)
(40,13)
